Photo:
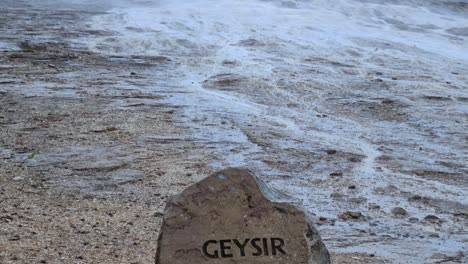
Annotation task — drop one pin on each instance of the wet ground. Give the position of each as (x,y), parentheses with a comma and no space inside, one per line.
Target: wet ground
(106,111)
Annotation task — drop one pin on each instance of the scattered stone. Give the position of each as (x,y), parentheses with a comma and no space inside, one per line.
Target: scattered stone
(228,62)
(461,214)
(388,101)
(434,235)
(348,215)
(352,187)
(6,219)
(358,200)
(374,206)
(336,195)
(413,220)
(326,221)
(331,151)
(415,198)
(14,238)
(432,219)
(158,214)
(449,259)
(104,130)
(336,174)
(226,218)
(322,220)
(289,4)
(398,211)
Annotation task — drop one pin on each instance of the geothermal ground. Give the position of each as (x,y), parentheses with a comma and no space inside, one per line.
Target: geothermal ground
(355,111)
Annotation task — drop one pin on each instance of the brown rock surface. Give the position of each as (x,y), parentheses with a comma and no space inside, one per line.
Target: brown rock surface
(225,218)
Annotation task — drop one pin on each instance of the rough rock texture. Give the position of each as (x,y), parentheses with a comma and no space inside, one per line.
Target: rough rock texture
(225,218)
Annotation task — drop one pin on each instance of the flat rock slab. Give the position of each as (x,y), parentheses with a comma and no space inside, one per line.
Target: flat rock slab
(225,218)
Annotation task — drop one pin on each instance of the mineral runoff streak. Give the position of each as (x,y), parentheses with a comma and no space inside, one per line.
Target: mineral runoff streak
(255,247)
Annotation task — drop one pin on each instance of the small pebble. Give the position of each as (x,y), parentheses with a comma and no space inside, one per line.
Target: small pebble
(399,211)
(336,195)
(432,219)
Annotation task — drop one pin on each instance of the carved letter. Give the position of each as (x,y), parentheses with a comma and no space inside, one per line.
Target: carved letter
(205,249)
(258,248)
(265,246)
(225,247)
(277,246)
(241,246)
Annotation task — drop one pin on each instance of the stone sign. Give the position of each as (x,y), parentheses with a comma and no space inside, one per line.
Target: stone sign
(225,218)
